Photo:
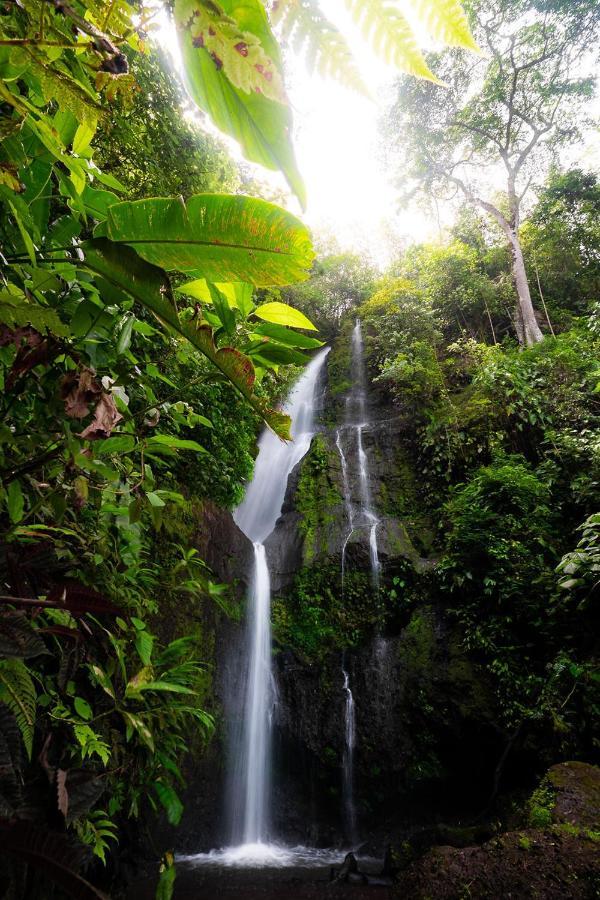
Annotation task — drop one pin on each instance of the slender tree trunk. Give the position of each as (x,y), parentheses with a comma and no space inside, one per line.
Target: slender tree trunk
(532,333)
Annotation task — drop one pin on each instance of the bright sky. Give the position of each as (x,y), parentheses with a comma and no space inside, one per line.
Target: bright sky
(337,142)
(337,147)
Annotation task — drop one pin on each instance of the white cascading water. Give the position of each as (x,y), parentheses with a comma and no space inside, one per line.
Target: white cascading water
(256,517)
(356,422)
(348,769)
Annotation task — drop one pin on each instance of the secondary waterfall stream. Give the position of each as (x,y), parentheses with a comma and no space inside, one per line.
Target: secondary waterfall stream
(256,517)
(361,514)
(348,769)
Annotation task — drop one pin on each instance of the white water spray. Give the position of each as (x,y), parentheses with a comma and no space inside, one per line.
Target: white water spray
(256,517)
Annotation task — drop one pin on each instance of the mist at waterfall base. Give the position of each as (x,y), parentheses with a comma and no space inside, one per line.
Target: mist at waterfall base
(252,842)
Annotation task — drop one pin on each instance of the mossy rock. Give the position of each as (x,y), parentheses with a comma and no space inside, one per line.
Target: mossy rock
(576,787)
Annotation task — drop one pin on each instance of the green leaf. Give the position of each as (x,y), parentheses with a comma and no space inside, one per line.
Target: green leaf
(15,310)
(24,234)
(15,502)
(124,339)
(83,137)
(222,309)
(137,724)
(83,709)
(281,356)
(103,680)
(116,444)
(262,126)
(165,686)
(123,268)
(220,237)
(175,443)
(282,314)
(154,499)
(169,801)
(97,203)
(166,880)
(143,644)
(238,293)
(284,336)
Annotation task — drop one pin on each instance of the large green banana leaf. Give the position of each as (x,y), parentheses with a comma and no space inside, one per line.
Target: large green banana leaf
(220,237)
(123,269)
(262,126)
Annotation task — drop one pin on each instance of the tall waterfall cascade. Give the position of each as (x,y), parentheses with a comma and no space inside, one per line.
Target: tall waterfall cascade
(361,515)
(256,517)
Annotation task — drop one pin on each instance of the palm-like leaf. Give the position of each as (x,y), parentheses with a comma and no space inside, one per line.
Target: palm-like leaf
(445,21)
(52,854)
(220,237)
(17,692)
(326,51)
(391,36)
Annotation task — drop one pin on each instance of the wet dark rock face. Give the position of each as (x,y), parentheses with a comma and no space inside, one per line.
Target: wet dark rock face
(426,741)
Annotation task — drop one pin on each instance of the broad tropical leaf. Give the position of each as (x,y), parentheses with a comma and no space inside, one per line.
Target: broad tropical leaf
(124,269)
(390,35)
(240,53)
(261,125)
(326,51)
(445,20)
(220,237)
(17,691)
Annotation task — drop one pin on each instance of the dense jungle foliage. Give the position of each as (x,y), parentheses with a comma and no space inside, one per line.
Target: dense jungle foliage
(144,341)
(501,482)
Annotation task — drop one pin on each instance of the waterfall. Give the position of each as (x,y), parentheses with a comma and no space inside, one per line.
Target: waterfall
(348,761)
(256,517)
(356,422)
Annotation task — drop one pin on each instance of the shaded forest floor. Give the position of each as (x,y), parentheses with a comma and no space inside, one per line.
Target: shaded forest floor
(209,883)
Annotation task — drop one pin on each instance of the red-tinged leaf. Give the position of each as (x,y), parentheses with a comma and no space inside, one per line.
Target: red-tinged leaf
(79,599)
(238,363)
(62,795)
(72,634)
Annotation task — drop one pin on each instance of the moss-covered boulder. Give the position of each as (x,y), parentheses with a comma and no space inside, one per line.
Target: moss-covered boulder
(555,856)
(568,795)
(532,865)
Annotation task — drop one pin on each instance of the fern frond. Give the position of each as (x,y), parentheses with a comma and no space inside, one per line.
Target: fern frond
(302,23)
(17,691)
(16,311)
(390,35)
(445,21)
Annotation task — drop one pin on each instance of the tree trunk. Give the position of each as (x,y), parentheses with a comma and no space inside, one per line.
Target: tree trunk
(532,333)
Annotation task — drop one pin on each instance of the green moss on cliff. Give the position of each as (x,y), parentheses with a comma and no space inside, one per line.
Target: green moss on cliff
(317,498)
(316,617)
